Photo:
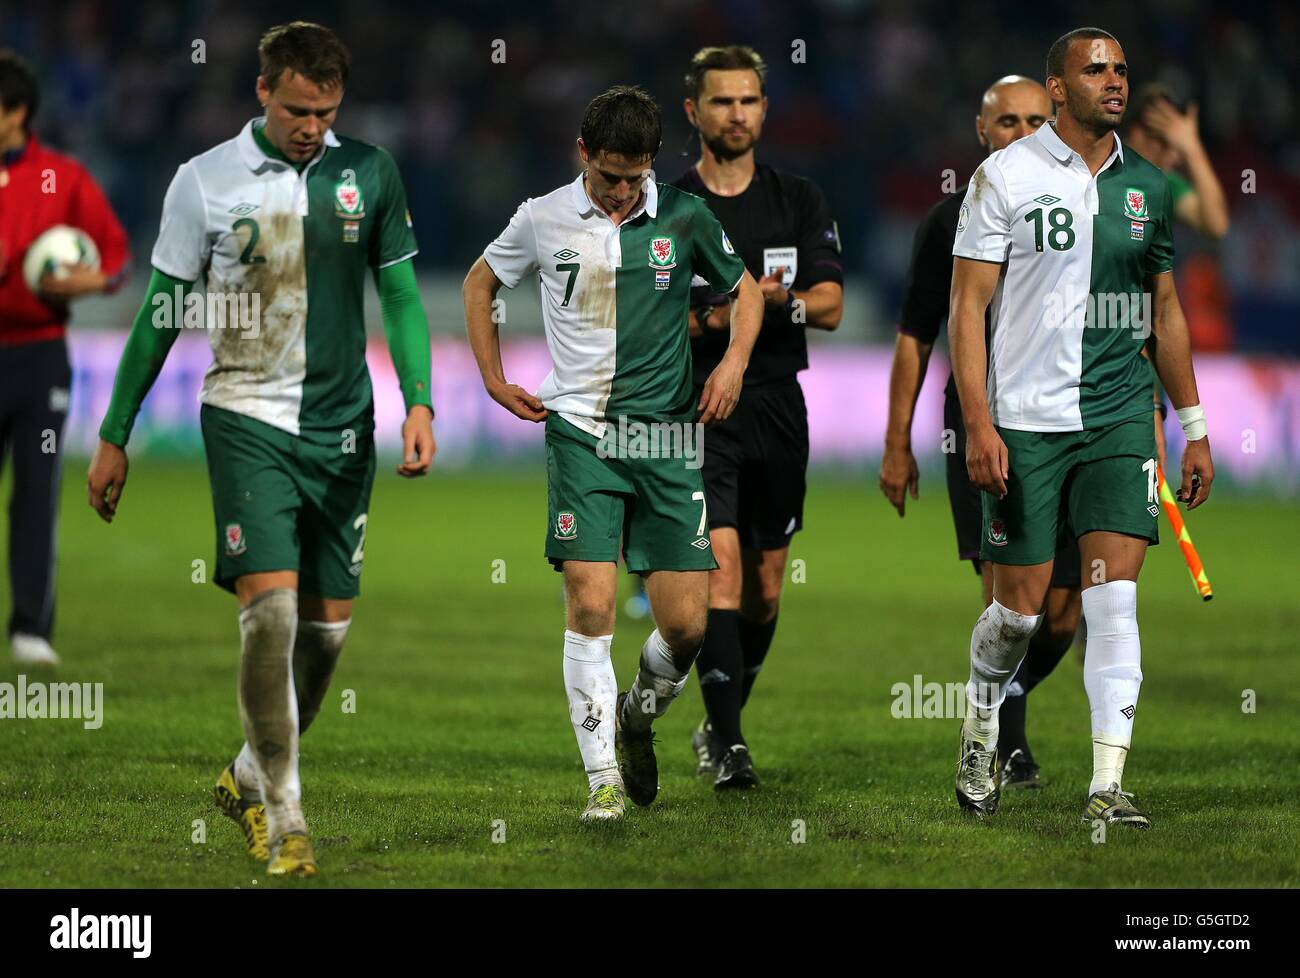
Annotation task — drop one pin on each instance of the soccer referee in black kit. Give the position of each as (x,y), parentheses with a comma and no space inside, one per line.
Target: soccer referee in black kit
(755,461)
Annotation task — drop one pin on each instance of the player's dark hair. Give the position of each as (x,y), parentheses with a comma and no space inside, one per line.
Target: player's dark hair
(732,57)
(623,120)
(310,50)
(1056,53)
(18,85)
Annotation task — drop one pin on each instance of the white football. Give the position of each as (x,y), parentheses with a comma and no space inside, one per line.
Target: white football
(55,251)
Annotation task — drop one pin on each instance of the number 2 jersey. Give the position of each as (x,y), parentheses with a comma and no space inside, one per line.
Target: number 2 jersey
(1071,311)
(300,243)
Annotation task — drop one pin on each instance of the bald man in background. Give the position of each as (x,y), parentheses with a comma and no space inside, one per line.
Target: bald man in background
(1012,107)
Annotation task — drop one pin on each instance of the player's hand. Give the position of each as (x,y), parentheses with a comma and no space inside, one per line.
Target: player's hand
(774,293)
(986,460)
(1179,129)
(78,280)
(898,476)
(518,402)
(418,445)
(721,392)
(1198,473)
(106,480)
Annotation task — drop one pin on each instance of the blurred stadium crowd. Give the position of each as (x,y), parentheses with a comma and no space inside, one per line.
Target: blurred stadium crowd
(874,100)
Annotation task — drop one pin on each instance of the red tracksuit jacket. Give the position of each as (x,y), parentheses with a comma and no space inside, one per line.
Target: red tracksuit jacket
(39,189)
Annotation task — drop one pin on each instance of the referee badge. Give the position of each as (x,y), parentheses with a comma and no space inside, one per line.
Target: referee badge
(786,259)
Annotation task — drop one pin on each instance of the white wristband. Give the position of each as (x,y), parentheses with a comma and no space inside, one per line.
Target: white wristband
(1193,421)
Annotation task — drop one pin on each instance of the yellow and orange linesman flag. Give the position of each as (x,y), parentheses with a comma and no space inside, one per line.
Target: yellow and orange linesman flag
(1170,505)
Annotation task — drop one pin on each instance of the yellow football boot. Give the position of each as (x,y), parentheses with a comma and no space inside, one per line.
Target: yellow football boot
(249,816)
(292,856)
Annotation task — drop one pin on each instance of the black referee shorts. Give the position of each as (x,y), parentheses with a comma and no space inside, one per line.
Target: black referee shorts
(968,517)
(755,466)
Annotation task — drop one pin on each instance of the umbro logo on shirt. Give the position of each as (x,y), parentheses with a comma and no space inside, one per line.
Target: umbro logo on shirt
(566,254)
(1047,200)
(239,210)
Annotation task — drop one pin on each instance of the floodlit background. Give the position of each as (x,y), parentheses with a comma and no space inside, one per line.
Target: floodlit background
(874,101)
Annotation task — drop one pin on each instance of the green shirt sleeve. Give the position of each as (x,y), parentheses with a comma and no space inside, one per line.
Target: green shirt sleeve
(407,331)
(1178,186)
(395,239)
(712,256)
(142,358)
(1160,253)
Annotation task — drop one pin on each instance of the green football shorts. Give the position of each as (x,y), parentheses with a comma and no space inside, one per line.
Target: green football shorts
(1103,479)
(284,502)
(655,506)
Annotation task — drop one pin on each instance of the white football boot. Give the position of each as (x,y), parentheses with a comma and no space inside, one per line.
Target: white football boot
(32,650)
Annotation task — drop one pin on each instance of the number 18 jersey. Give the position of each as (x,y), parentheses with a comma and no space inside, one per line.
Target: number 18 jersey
(1071,311)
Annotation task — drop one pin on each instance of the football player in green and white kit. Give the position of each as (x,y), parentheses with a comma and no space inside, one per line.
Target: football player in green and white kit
(614,253)
(284,221)
(1065,236)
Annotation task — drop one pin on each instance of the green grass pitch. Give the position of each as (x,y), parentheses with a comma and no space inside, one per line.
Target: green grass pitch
(460,729)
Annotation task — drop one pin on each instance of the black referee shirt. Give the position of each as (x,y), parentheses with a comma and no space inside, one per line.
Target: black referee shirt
(929,279)
(779,220)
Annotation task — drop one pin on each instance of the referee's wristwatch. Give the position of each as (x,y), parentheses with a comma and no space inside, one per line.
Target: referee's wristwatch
(790,300)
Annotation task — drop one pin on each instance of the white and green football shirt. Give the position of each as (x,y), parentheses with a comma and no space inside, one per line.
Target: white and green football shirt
(615,300)
(302,243)
(1068,318)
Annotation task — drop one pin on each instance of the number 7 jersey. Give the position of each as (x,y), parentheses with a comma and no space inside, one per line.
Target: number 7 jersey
(615,299)
(1071,311)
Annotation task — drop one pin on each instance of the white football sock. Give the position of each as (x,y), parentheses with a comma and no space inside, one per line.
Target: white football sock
(593,693)
(997,646)
(315,653)
(246,776)
(658,682)
(268,706)
(1112,675)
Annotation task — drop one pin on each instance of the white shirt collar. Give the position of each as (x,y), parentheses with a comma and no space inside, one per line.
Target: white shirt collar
(1053,143)
(255,158)
(585,205)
